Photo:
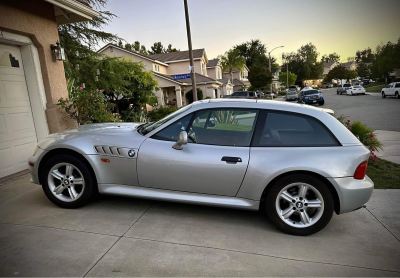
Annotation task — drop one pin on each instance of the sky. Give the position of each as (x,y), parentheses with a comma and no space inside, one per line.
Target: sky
(341,26)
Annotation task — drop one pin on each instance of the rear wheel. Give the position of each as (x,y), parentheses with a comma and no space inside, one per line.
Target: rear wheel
(299,205)
(67,181)
(383,95)
(397,95)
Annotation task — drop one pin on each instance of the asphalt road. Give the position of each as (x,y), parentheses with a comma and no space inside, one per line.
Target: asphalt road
(371,109)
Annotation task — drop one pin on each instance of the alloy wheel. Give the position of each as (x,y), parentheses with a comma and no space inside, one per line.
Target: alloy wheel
(66,182)
(299,205)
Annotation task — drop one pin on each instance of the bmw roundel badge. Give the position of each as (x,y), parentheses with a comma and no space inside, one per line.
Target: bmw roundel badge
(131,153)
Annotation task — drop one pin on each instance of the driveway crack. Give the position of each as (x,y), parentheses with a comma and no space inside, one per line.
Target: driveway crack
(383,225)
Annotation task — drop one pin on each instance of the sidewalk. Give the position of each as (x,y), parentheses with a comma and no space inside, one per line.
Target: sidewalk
(391,145)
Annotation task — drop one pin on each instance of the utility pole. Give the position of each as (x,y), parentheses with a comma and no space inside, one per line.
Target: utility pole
(287,75)
(189,36)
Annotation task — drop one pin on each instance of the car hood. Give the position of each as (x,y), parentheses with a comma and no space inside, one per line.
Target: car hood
(83,138)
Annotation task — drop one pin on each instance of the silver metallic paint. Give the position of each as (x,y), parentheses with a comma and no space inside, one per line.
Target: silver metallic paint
(156,167)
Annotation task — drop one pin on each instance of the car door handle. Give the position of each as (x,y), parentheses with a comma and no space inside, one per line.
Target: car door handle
(231,159)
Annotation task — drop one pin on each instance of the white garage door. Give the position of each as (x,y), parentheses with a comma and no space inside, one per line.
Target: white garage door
(17,129)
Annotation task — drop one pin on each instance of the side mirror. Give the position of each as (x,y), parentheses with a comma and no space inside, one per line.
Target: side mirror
(182,140)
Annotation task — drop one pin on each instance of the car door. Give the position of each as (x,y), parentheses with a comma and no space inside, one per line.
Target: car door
(392,89)
(213,162)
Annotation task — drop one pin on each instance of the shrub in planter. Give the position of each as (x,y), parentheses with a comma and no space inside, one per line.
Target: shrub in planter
(364,134)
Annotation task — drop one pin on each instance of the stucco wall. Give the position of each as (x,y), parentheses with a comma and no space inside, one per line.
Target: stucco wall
(36,20)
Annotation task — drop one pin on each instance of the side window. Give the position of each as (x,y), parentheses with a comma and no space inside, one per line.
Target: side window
(171,132)
(397,85)
(224,127)
(276,129)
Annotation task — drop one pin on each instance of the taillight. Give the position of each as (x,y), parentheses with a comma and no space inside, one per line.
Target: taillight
(359,174)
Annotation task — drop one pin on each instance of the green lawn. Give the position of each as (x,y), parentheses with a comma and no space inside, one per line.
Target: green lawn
(375,89)
(384,174)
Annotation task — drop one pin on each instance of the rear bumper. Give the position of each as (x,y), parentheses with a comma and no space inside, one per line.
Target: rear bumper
(353,194)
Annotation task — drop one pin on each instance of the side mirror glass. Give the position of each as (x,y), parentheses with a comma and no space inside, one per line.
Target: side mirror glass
(182,140)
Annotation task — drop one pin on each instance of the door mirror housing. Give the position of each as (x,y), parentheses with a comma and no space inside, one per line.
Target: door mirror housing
(182,140)
(211,123)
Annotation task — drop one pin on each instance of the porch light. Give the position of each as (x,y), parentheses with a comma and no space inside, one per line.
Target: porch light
(58,52)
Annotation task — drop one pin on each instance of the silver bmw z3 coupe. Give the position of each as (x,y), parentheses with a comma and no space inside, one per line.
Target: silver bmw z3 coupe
(297,163)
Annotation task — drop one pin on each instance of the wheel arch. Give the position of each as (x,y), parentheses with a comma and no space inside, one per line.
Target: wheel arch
(64,151)
(330,186)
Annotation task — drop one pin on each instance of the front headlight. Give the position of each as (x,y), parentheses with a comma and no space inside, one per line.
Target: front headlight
(35,151)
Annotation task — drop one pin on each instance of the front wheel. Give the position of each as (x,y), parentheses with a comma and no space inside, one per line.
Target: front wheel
(383,95)
(397,95)
(321,103)
(299,205)
(67,181)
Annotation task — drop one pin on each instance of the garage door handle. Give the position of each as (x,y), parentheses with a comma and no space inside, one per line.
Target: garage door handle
(231,159)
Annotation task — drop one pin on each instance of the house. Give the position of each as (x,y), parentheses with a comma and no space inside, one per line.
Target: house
(165,65)
(31,79)
(214,70)
(328,67)
(240,78)
(350,65)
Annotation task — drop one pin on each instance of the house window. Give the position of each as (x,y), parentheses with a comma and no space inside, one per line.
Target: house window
(203,70)
(156,68)
(219,73)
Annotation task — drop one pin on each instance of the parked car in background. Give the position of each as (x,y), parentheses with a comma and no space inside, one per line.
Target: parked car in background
(297,87)
(365,81)
(355,90)
(326,85)
(215,152)
(342,88)
(243,94)
(291,95)
(393,89)
(311,96)
(260,94)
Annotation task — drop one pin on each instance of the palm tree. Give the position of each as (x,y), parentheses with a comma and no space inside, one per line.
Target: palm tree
(231,60)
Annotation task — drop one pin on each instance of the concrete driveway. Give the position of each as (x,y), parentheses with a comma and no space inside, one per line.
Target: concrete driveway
(116,236)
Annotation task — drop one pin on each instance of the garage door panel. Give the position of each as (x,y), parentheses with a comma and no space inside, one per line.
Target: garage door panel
(6,161)
(17,128)
(23,150)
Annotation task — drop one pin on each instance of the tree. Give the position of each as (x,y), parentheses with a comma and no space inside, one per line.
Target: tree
(189,95)
(170,49)
(363,70)
(143,50)
(340,72)
(231,60)
(333,57)
(259,77)
(283,78)
(80,39)
(365,56)
(128,46)
(304,62)
(136,45)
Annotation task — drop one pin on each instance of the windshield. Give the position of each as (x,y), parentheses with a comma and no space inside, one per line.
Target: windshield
(357,87)
(166,119)
(347,85)
(292,93)
(310,92)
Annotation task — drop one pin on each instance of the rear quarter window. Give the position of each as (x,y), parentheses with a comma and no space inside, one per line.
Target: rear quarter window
(282,129)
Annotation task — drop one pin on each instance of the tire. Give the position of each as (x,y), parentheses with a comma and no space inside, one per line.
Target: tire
(321,103)
(383,95)
(55,172)
(396,95)
(295,224)
(352,93)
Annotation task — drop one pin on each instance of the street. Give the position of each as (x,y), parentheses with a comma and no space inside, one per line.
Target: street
(371,109)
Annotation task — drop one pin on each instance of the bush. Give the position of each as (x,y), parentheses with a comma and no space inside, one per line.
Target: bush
(87,106)
(160,113)
(189,95)
(130,115)
(364,134)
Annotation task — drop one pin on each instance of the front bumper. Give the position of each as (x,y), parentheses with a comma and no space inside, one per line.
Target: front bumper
(311,101)
(353,194)
(35,168)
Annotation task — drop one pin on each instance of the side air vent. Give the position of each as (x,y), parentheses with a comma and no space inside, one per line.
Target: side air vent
(116,151)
